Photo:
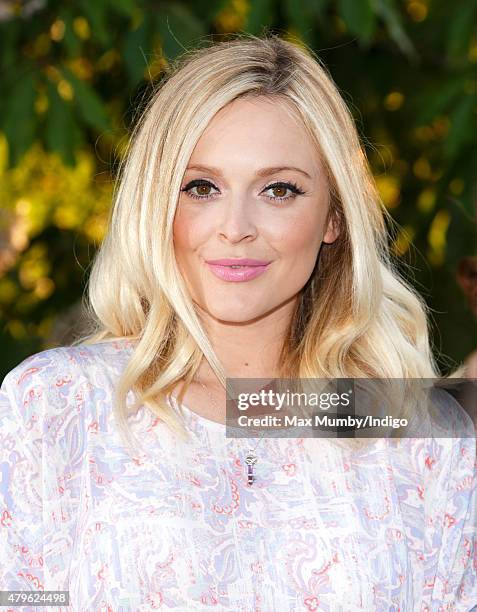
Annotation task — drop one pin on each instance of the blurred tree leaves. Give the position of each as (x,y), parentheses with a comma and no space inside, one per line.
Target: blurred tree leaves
(61,134)
(135,45)
(388,11)
(73,76)
(19,119)
(461,28)
(261,13)
(90,107)
(360,17)
(178,28)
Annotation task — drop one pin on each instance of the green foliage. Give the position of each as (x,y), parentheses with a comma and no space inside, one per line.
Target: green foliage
(261,13)
(61,134)
(19,116)
(389,13)
(179,28)
(73,75)
(462,26)
(360,18)
(90,107)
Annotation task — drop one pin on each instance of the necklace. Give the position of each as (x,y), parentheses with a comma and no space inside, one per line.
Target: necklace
(251,457)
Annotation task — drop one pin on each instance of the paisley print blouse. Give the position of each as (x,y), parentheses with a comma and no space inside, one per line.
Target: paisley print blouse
(392,528)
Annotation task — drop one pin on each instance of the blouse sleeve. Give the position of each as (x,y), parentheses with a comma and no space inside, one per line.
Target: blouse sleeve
(21,498)
(35,513)
(451,526)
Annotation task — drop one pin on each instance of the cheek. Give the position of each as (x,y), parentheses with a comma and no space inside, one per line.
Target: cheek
(301,235)
(187,230)
(180,236)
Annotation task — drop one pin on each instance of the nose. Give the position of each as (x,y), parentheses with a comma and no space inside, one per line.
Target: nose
(236,222)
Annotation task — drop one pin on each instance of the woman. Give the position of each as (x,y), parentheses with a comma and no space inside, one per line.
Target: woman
(246,151)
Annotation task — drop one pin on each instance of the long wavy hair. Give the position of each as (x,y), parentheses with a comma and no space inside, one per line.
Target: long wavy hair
(356,317)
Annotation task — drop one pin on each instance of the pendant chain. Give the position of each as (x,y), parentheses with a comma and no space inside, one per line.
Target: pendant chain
(251,457)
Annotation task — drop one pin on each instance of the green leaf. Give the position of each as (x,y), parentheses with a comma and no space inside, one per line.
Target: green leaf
(207,10)
(318,6)
(386,9)
(124,7)
(260,16)
(179,29)
(360,18)
(303,14)
(436,100)
(62,135)
(463,126)
(88,103)
(70,40)
(19,121)
(467,172)
(96,14)
(9,37)
(463,23)
(462,231)
(136,51)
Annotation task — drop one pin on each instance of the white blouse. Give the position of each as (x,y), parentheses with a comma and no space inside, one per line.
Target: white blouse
(389,528)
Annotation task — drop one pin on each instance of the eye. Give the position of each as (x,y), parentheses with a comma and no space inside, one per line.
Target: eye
(282,188)
(203,189)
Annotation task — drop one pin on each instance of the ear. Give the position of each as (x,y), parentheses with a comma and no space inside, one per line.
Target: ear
(332,231)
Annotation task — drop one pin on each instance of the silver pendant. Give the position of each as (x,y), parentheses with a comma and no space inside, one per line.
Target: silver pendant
(250,460)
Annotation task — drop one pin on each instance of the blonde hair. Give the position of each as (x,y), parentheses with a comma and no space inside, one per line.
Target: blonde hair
(356,316)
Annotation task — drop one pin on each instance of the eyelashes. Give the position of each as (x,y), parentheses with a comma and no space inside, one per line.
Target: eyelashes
(287,185)
(198,183)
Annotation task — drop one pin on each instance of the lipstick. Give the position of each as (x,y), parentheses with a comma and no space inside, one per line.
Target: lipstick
(237,270)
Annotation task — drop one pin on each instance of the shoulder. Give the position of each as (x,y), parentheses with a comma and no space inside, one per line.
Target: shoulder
(65,363)
(62,379)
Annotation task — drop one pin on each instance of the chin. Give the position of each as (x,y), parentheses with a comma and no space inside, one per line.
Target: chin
(233,312)
(234,317)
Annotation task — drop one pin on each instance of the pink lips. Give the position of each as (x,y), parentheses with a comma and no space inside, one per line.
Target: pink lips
(250,268)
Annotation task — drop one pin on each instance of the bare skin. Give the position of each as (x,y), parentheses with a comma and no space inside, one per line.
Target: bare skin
(237,213)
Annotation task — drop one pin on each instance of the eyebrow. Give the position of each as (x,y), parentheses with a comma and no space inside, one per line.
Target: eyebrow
(262,172)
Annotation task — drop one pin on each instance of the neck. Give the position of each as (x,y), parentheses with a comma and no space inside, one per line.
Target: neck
(247,350)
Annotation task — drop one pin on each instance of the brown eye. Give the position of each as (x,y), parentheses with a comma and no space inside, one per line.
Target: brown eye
(279,191)
(203,189)
(200,189)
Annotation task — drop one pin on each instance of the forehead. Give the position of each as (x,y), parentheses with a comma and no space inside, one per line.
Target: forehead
(256,128)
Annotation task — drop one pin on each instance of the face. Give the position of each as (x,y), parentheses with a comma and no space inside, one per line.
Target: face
(254,189)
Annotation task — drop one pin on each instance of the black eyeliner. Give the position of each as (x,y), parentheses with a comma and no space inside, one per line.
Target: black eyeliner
(292,186)
(197,183)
